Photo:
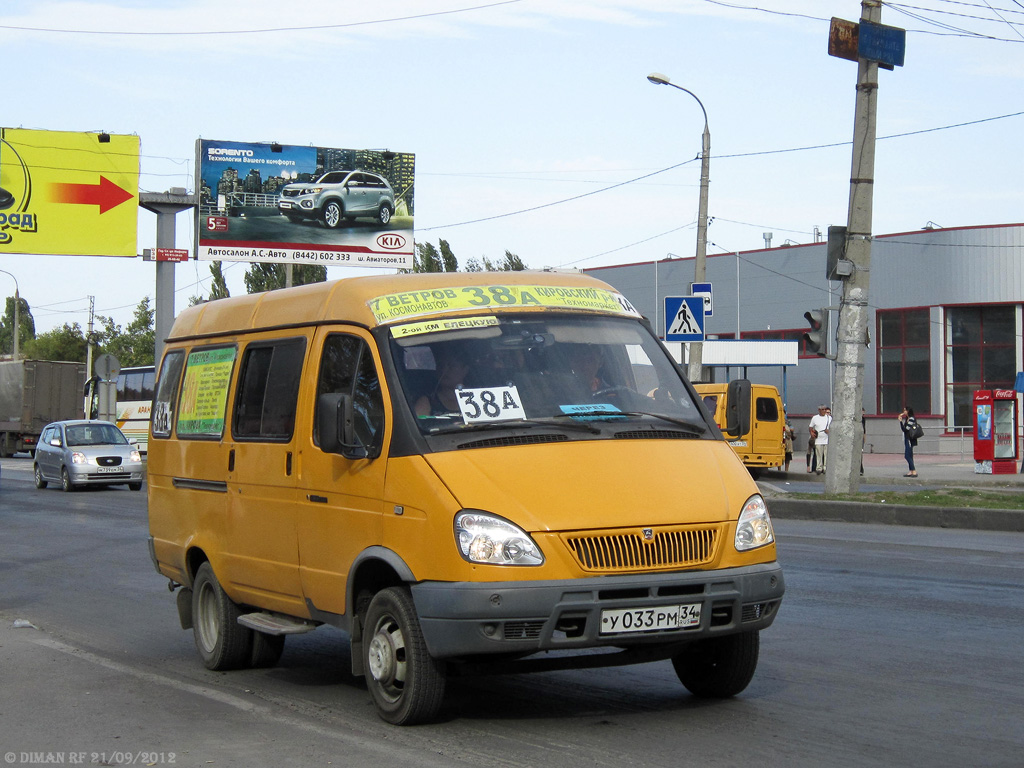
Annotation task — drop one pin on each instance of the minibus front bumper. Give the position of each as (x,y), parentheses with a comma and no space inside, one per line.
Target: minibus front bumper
(470,618)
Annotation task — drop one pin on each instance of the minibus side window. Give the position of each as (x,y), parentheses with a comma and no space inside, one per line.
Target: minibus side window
(268,389)
(347,368)
(202,408)
(167,394)
(766,409)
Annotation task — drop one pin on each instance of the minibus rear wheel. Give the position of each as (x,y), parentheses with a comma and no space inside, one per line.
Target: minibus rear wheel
(222,642)
(718,667)
(406,683)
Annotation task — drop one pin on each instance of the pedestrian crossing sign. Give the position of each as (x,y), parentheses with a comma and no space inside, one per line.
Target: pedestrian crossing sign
(684,318)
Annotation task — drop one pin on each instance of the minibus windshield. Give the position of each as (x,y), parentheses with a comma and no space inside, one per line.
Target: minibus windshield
(514,371)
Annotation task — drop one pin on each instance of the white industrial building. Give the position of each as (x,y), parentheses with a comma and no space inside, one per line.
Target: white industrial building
(945,309)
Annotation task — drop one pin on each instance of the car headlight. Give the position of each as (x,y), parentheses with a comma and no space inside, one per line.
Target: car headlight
(754,528)
(78,458)
(135,456)
(485,538)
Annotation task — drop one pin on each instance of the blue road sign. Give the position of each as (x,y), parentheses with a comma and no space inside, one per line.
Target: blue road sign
(886,45)
(684,318)
(703,289)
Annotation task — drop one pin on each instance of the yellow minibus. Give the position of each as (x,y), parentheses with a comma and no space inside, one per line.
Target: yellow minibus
(452,468)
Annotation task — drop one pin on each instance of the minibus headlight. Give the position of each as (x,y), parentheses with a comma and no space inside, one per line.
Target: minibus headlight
(484,538)
(754,528)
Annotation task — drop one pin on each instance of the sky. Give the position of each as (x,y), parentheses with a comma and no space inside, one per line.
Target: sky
(533,123)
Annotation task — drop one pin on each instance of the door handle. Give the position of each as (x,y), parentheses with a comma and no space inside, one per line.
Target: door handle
(231,460)
(288,463)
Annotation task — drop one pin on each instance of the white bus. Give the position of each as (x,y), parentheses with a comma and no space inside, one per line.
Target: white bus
(135,387)
(134,402)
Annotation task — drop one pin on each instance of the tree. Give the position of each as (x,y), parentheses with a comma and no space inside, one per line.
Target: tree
(451,264)
(510,263)
(442,259)
(270,277)
(218,288)
(135,344)
(64,343)
(427,259)
(25,320)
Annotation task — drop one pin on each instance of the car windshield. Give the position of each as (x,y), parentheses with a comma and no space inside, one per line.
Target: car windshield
(510,371)
(94,434)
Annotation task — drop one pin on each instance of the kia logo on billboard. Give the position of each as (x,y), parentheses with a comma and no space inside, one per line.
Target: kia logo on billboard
(391,242)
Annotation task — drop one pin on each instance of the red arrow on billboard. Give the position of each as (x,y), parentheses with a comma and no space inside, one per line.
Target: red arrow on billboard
(106,194)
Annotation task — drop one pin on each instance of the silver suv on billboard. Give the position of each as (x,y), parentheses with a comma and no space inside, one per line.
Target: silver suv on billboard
(337,197)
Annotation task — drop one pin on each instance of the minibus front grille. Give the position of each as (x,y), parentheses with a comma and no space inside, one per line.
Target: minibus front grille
(503,442)
(631,550)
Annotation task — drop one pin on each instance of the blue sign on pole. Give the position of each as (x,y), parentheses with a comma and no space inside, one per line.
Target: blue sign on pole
(703,289)
(684,318)
(886,45)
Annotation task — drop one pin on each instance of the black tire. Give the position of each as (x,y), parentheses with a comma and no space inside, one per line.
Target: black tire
(266,650)
(222,642)
(719,667)
(65,481)
(135,486)
(406,683)
(385,213)
(333,214)
(38,473)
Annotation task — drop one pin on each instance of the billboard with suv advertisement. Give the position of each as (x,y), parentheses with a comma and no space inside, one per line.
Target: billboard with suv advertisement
(309,205)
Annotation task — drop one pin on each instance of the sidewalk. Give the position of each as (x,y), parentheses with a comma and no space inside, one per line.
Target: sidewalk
(889,468)
(886,470)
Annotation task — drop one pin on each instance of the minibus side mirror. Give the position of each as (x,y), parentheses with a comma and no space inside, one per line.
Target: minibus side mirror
(336,426)
(737,408)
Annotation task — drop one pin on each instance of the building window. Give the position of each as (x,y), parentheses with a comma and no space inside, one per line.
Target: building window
(904,371)
(981,353)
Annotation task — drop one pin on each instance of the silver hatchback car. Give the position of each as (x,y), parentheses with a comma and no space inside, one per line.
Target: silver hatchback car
(339,196)
(79,453)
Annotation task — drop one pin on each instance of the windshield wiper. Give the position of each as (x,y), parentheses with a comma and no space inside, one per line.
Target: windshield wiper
(516,424)
(689,426)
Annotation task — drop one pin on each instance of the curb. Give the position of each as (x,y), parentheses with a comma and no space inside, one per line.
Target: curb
(967,518)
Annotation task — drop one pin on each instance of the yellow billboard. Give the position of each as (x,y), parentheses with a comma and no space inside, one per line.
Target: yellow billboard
(66,192)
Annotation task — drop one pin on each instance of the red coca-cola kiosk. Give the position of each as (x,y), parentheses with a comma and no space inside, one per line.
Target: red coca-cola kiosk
(995,431)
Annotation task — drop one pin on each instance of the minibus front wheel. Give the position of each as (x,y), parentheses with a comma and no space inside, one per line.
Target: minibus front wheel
(718,667)
(222,642)
(406,683)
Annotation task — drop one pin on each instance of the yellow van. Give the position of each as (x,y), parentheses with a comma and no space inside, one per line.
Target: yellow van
(751,418)
(451,468)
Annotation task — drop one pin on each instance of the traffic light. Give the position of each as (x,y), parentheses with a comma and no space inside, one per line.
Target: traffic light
(817,337)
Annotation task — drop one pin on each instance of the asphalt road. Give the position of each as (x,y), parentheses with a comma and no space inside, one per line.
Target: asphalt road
(894,646)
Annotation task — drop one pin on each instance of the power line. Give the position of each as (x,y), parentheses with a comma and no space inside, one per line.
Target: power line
(560,202)
(313,27)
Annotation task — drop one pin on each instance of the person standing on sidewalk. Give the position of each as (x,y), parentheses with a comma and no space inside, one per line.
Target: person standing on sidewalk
(818,428)
(909,426)
(787,442)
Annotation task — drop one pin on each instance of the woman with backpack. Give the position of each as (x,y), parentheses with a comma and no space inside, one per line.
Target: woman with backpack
(911,431)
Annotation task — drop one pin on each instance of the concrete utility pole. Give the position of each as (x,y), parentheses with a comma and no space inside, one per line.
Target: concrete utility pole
(694,357)
(90,339)
(845,441)
(165,205)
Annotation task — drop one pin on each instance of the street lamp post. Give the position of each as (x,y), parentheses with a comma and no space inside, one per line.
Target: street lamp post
(17,318)
(695,371)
